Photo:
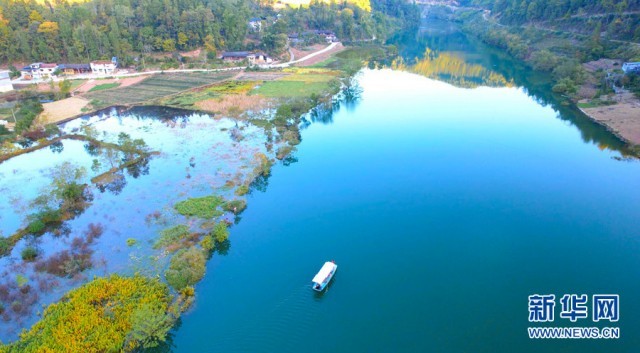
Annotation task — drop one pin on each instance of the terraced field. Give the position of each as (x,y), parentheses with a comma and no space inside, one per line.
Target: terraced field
(156,87)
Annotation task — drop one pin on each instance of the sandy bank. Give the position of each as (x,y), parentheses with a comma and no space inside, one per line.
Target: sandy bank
(623,118)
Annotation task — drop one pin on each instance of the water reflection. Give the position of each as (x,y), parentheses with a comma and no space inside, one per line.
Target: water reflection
(439,50)
(453,69)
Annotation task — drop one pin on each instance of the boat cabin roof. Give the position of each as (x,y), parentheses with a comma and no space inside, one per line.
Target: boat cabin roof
(324,272)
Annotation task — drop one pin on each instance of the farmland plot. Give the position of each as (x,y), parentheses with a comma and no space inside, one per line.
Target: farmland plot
(157,86)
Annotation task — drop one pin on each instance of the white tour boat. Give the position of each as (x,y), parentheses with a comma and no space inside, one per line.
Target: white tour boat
(325,275)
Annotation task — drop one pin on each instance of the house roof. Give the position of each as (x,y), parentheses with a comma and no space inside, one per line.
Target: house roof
(102,62)
(241,54)
(75,66)
(255,19)
(48,66)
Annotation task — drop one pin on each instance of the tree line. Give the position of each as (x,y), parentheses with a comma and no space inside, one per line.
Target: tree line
(64,30)
(621,19)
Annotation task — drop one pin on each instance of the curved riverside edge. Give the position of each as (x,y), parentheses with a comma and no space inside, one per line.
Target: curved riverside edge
(627,132)
(435,155)
(258,164)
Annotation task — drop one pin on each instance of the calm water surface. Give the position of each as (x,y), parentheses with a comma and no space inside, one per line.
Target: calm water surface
(444,207)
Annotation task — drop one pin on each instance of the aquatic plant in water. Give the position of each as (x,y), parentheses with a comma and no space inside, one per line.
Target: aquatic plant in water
(186,268)
(202,207)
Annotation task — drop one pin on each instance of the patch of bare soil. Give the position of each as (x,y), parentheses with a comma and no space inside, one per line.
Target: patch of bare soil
(623,118)
(301,52)
(124,82)
(63,109)
(602,64)
(192,54)
(322,57)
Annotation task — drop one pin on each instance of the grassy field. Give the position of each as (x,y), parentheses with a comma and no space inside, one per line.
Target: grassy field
(155,87)
(303,82)
(104,86)
(594,103)
(188,100)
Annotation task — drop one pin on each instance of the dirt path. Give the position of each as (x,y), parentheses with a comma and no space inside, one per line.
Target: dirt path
(323,56)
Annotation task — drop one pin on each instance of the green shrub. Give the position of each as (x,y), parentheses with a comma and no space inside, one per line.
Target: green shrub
(187,267)
(131,242)
(29,253)
(21,280)
(36,227)
(5,246)
(220,232)
(150,325)
(235,206)
(202,207)
(242,190)
(171,236)
(207,243)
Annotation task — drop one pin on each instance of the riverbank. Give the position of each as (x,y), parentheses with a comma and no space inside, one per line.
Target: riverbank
(580,78)
(186,211)
(622,117)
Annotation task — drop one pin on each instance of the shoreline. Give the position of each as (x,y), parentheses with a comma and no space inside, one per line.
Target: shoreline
(207,239)
(617,120)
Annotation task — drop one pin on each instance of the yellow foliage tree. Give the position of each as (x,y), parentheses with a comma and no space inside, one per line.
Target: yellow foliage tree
(97,317)
(35,16)
(48,27)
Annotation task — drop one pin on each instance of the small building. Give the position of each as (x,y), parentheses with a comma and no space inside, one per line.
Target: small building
(38,71)
(5,82)
(251,58)
(255,24)
(103,67)
(235,56)
(262,58)
(631,67)
(329,36)
(74,69)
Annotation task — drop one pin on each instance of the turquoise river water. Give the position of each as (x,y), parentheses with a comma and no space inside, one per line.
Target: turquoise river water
(445,205)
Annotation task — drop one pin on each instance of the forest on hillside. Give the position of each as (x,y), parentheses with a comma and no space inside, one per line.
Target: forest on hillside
(619,19)
(62,30)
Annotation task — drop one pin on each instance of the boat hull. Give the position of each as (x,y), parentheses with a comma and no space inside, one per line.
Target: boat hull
(319,287)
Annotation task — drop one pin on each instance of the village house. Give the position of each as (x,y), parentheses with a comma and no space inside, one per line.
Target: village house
(262,58)
(236,56)
(38,71)
(5,82)
(251,58)
(631,67)
(329,36)
(74,69)
(104,67)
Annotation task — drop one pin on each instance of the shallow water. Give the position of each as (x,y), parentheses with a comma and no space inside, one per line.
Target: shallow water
(197,157)
(445,208)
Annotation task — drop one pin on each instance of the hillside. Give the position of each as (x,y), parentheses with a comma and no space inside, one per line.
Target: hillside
(615,19)
(363,4)
(32,30)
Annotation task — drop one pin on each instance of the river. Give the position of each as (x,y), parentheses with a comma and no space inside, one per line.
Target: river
(445,204)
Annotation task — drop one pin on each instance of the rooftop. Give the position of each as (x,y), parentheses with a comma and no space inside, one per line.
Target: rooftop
(242,54)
